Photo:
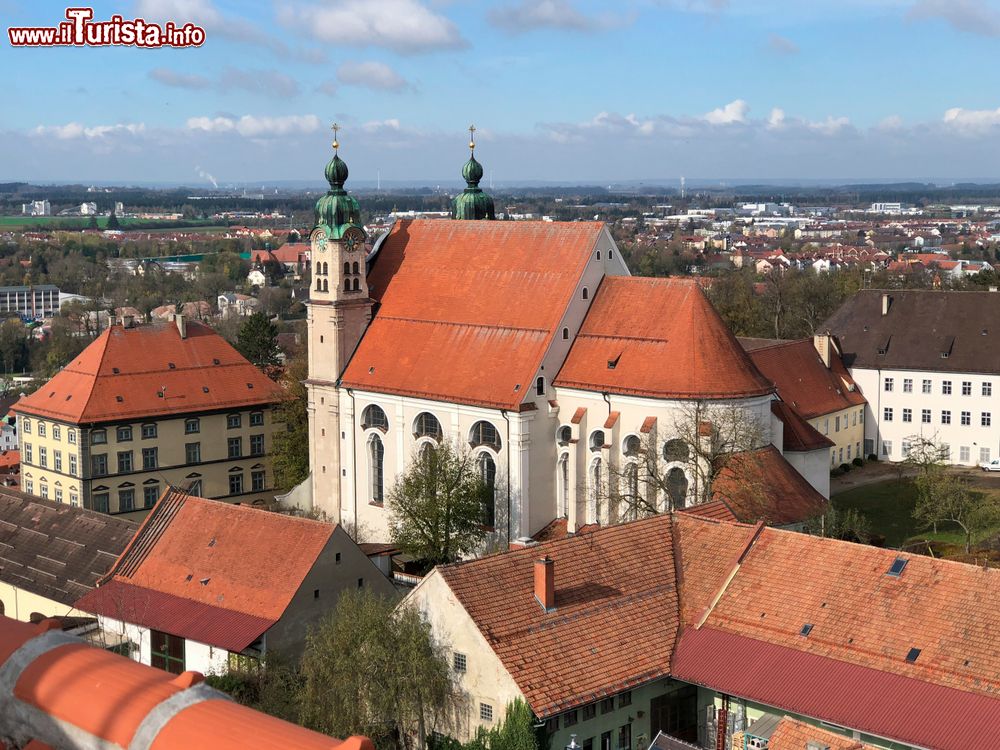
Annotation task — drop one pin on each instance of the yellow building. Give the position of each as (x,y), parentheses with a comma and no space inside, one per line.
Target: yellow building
(145,408)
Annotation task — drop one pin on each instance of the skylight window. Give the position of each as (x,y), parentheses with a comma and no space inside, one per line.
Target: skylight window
(911,657)
(897,567)
(806,629)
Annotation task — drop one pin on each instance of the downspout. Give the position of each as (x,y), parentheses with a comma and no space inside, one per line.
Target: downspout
(354,458)
(503,413)
(607,400)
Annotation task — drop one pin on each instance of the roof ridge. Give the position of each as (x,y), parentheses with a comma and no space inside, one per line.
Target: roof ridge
(465,325)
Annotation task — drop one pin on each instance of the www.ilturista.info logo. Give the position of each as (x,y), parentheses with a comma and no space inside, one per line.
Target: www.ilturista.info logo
(80,31)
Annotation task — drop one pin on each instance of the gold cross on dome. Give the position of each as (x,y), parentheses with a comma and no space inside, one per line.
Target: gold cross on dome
(472,137)
(335,127)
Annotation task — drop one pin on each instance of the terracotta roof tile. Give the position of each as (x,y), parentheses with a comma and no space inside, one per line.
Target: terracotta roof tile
(716,510)
(641,323)
(647,425)
(466,309)
(791,734)
(797,433)
(88,389)
(613,580)
(762,485)
(579,414)
(612,420)
(804,381)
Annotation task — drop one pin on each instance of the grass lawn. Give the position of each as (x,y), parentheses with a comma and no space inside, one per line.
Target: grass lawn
(889,507)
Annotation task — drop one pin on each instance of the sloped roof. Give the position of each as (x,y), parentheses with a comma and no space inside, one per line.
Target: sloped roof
(200,372)
(918,327)
(200,568)
(761,485)
(804,381)
(797,434)
(613,581)
(466,309)
(792,734)
(660,338)
(55,550)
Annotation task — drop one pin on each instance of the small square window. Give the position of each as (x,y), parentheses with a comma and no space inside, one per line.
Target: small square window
(966,388)
(233,421)
(256,418)
(607,705)
(589,711)
(148,431)
(191,426)
(907,385)
(570,718)
(625,699)
(124,434)
(485,712)
(987,389)
(806,629)
(459,662)
(946,387)
(912,655)
(896,569)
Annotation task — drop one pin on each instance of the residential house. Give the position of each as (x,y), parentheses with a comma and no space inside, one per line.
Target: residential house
(236,305)
(926,363)
(204,583)
(144,408)
(51,554)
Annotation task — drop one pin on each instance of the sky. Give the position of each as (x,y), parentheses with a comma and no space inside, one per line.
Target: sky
(565,91)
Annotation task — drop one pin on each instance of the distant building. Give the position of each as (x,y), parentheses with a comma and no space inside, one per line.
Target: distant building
(886,208)
(145,408)
(88,209)
(37,208)
(30,302)
(235,305)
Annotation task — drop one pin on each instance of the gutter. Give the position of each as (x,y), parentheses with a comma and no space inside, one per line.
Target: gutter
(503,413)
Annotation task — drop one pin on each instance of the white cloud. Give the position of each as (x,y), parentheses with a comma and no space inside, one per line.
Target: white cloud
(373,75)
(263,82)
(381,126)
(733,113)
(405,26)
(891,123)
(970,16)
(75,130)
(169,77)
(972,121)
(776,120)
(253,126)
(782,45)
(528,15)
(829,126)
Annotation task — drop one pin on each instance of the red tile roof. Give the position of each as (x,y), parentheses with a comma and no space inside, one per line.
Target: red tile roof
(639,324)
(716,510)
(797,433)
(612,581)
(804,381)
(762,485)
(791,734)
(217,573)
(123,373)
(467,309)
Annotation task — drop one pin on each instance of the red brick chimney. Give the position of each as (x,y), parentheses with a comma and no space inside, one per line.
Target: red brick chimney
(545,583)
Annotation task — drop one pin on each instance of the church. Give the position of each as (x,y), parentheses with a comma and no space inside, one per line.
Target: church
(587,396)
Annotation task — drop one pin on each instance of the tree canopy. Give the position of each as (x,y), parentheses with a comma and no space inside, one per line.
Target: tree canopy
(258,340)
(290,456)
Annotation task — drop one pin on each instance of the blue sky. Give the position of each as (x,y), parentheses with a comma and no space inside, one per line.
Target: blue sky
(561,90)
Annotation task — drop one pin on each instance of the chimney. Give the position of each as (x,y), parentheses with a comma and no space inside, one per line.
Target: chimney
(886,304)
(181,325)
(545,583)
(822,343)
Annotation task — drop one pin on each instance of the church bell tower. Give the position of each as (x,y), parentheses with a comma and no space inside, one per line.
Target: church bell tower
(339,311)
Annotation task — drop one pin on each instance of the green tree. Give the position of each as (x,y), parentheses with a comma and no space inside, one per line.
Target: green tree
(943,495)
(258,340)
(290,457)
(273,686)
(515,732)
(371,670)
(848,524)
(13,346)
(113,222)
(438,505)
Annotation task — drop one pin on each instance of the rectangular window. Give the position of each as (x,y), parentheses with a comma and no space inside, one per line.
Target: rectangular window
(588,744)
(71,437)
(607,705)
(826,426)
(74,499)
(150,458)
(195,488)
(235,447)
(925,386)
(98,437)
(124,434)
(625,699)
(72,465)
(43,456)
(166,652)
(925,416)
(887,414)
(100,501)
(257,480)
(625,737)
(124,461)
(888,385)
(886,447)
(57,460)
(99,464)
(256,445)
(963,454)
(29,486)
(57,431)
(192,453)
(59,495)
(606,740)
(233,421)
(150,494)
(41,429)
(945,451)
(987,389)
(966,418)
(459,662)
(27,453)
(905,448)
(44,489)
(191,426)
(985,419)
(907,415)
(946,387)
(966,388)
(589,711)
(984,455)
(571,718)
(907,385)
(946,416)
(236,483)
(256,418)
(26,426)
(126,500)
(148,431)
(849,452)
(485,712)
(836,424)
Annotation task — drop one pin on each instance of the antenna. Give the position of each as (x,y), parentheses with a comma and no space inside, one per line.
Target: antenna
(682,187)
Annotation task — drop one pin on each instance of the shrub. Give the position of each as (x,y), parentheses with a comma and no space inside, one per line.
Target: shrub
(858,461)
(844,468)
(872,457)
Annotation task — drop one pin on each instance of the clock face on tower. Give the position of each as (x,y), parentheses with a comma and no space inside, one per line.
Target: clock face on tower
(354,239)
(319,239)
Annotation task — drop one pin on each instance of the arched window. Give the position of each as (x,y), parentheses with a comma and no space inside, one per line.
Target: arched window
(564,435)
(540,386)
(355,269)
(347,285)
(488,473)
(326,269)
(632,445)
(598,254)
(677,486)
(376,468)
(374,417)
(675,450)
(562,480)
(427,425)
(319,284)
(586,294)
(596,440)
(347,268)
(565,334)
(319,269)
(326,285)
(357,285)
(484,433)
